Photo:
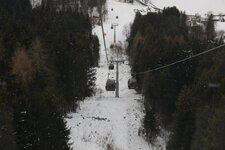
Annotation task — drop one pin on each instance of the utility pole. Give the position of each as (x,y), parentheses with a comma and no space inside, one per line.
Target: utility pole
(113,26)
(117,75)
(117,78)
(117,61)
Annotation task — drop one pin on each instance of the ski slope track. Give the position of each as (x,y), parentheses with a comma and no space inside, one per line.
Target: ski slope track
(103,122)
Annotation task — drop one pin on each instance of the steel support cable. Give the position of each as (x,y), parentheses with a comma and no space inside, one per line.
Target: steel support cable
(103,32)
(180,61)
(153,6)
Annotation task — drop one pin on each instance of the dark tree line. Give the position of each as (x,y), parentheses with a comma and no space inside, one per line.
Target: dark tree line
(47,60)
(188,98)
(84,6)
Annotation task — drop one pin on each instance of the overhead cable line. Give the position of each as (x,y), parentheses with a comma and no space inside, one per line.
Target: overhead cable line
(153,6)
(103,32)
(180,61)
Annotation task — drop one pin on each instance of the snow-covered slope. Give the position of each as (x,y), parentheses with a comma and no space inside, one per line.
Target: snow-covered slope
(35,3)
(103,121)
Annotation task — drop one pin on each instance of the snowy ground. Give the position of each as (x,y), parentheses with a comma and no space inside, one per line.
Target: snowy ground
(103,122)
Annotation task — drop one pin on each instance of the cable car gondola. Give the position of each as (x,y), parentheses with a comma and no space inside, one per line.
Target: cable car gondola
(112,46)
(132,83)
(111,67)
(110,85)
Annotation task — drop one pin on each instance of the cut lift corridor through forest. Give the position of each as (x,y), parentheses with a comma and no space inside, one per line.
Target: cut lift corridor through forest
(103,121)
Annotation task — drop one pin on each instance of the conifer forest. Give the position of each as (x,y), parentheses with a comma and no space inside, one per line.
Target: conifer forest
(55,59)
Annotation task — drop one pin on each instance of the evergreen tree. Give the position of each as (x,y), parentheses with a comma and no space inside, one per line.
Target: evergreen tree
(184,122)
(210,28)
(151,125)
(158,39)
(7,131)
(47,67)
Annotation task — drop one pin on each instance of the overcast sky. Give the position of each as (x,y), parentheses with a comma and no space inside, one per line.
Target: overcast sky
(194,6)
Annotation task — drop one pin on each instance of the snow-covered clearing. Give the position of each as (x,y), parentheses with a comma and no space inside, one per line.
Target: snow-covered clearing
(103,122)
